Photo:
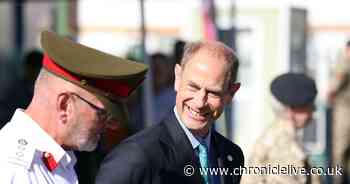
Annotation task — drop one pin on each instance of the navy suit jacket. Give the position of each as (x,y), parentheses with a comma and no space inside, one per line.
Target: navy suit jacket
(159,154)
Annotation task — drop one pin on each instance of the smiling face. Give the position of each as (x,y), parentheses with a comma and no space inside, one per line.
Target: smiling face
(202,90)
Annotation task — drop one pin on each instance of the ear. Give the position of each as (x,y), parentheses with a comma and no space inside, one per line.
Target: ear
(178,74)
(232,91)
(63,107)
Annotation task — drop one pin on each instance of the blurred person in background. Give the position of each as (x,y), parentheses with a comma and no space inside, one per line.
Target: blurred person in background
(77,94)
(178,51)
(18,89)
(293,102)
(135,101)
(163,89)
(32,66)
(339,99)
(174,150)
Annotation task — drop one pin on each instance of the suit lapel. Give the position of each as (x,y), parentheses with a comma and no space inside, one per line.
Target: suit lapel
(180,151)
(222,157)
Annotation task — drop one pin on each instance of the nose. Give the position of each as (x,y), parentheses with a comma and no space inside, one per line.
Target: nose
(200,98)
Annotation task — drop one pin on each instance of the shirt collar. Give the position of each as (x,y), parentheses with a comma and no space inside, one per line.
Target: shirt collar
(195,140)
(69,159)
(40,139)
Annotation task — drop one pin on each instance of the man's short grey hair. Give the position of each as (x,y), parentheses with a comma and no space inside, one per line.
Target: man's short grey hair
(218,49)
(43,76)
(49,80)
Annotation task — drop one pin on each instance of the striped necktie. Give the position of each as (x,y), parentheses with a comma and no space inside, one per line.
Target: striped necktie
(204,161)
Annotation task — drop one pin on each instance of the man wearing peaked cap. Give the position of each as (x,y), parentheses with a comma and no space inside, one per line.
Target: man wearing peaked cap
(294,96)
(77,94)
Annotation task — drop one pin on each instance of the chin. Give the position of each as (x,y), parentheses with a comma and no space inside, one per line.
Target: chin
(88,145)
(197,126)
(193,124)
(194,127)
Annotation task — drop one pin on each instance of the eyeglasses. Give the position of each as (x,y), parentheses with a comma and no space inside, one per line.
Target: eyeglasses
(102,114)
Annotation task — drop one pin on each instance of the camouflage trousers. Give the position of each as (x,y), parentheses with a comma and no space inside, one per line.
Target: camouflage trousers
(341,140)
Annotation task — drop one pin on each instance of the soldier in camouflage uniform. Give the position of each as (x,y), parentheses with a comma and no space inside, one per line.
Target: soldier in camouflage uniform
(339,97)
(294,96)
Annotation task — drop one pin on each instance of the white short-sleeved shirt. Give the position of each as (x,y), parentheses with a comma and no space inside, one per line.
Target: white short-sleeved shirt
(23,144)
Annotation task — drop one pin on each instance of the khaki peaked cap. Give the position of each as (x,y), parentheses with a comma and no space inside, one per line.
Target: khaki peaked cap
(110,78)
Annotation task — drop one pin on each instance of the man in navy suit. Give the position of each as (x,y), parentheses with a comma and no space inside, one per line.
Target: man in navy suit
(184,143)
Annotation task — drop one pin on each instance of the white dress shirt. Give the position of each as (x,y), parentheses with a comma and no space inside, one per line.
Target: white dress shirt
(23,143)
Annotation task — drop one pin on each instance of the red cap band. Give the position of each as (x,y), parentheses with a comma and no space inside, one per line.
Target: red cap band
(112,86)
(53,67)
